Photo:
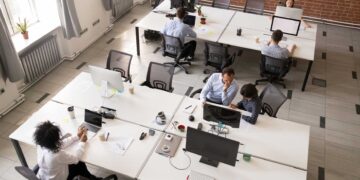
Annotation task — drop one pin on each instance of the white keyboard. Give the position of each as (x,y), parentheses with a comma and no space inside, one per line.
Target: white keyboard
(194,175)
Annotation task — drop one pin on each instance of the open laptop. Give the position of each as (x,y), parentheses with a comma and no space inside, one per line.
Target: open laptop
(287,12)
(189,20)
(93,121)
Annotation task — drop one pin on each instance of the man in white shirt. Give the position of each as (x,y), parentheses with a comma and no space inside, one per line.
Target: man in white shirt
(55,163)
(220,88)
(177,28)
(273,49)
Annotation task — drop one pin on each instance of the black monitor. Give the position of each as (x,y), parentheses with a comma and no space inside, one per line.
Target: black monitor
(212,148)
(220,114)
(189,6)
(286,25)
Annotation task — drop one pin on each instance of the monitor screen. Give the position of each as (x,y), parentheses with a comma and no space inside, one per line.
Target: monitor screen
(93,118)
(219,114)
(112,78)
(286,25)
(212,148)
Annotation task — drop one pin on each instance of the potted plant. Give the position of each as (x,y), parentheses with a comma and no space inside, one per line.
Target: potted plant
(198,7)
(22,27)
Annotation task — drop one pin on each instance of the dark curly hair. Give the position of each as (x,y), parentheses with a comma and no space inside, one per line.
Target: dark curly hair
(249,91)
(48,135)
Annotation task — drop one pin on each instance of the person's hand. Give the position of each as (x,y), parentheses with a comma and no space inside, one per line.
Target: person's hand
(226,86)
(81,131)
(234,106)
(83,137)
(257,40)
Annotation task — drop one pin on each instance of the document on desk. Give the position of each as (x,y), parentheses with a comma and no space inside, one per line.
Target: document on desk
(190,108)
(121,144)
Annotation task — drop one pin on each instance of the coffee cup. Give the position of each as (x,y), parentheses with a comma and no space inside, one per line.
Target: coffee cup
(247,157)
(161,114)
(71,112)
(238,32)
(102,136)
(131,89)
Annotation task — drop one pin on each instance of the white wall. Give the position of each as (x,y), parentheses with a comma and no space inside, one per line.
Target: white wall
(11,95)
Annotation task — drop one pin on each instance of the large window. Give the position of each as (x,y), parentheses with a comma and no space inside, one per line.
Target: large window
(18,10)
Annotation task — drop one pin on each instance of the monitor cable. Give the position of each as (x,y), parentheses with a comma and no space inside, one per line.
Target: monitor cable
(181,168)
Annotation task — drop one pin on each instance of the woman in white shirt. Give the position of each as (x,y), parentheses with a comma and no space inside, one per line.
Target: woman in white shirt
(55,163)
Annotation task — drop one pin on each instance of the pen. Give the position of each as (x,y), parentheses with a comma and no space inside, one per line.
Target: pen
(188,107)
(107,136)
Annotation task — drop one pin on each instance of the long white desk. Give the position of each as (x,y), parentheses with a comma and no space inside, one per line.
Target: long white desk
(158,167)
(273,139)
(96,152)
(138,108)
(216,22)
(305,41)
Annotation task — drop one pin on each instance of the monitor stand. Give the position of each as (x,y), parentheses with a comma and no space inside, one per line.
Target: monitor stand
(106,91)
(208,161)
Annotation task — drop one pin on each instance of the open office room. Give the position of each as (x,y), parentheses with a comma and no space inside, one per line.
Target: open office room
(176,89)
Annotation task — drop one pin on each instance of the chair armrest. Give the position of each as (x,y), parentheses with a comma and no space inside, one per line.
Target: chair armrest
(195,92)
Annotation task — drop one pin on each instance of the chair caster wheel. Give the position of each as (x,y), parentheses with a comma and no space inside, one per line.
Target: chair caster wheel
(186,72)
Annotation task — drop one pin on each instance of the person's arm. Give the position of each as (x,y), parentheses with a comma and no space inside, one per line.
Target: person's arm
(206,89)
(68,158)
(190,32)
(291,49)
(254,114)
(69,140)
(228,95)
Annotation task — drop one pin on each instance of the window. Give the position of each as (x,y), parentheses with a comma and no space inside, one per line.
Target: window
(16,10)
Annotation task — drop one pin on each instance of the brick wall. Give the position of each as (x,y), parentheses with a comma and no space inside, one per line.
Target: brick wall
(338,10)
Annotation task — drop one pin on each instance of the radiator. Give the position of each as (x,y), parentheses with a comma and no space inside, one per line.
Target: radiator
(120,7)
(40,58)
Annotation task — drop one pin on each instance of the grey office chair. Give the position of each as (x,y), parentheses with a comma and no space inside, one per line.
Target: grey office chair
(217,56)
(224,4)
(173,47)
(31,174)
(254,6)
(271,100)
(119,61)
(159,76)
(273,69)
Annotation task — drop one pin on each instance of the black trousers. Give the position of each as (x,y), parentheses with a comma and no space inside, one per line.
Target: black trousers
(189,49)
(80,169)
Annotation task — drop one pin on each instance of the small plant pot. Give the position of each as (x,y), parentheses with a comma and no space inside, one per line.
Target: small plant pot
(25,35)
(203,20)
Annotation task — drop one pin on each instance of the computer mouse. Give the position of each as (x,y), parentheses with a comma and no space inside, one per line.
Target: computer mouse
(108,115)
(191,118)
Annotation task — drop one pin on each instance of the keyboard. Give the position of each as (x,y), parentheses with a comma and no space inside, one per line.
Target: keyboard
(194,175)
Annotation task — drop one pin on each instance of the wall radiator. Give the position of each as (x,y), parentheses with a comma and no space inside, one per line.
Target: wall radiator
(40,58)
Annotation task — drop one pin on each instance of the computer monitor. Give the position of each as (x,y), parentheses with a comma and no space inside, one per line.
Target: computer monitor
(106,78)
(286,25)
(189,6)
(293,13)
(212,148)
(220,114)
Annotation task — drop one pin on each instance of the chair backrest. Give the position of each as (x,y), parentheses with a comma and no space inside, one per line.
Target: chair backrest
(275,66)
(119,61)
(224,4)
(172,45)
(160,76)
(215,55)
(271,99)
(26,172)
(254,6)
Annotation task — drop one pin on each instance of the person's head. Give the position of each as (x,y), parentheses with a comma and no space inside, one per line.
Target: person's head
(228,75)
(277,36)
(180,13)
(47,135)
(290,3)
(248,91)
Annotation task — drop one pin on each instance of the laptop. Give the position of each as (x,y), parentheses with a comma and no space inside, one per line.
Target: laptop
(93,121)
(189,20)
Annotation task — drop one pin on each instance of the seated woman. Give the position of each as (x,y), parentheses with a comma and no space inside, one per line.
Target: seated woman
(251,103)
(55,163)
(290,4)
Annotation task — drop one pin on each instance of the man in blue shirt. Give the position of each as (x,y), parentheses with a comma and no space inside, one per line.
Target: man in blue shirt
(177,28)
(220,88)
(251,103)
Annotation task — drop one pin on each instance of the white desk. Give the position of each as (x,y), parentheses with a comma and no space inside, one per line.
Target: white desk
(158,167)
(271,138)
(216,22)
(96,152)
(256,25)
(138,108)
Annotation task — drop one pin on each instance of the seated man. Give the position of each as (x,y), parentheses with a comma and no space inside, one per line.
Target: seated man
(177,28)
(220,88)
(251,102)
(55,163)
(273,49)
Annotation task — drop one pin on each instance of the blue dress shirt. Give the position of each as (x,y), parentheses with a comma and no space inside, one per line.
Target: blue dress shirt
(177,28)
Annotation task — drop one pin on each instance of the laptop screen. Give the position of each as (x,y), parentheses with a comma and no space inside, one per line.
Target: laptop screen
(189,20)
(93,118)
(286,25)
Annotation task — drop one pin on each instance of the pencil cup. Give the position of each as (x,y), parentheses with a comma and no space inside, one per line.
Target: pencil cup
(102,136)
(71,112)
